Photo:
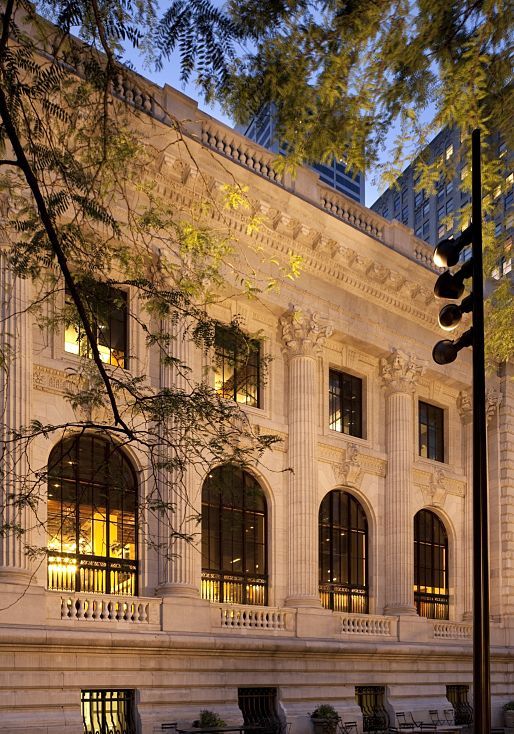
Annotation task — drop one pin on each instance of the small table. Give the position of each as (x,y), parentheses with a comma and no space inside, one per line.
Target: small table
(242,729)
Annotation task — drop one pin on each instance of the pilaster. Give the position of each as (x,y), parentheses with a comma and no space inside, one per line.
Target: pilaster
(400,373)
(464,406)
(303,338)
(15,392)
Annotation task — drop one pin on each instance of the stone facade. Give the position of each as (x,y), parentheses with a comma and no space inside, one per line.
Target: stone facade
(363,305)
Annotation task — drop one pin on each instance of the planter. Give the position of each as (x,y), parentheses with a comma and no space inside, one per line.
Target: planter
(508,718)
(324,726)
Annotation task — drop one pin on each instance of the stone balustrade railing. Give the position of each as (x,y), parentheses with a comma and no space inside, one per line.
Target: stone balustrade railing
(233,616)
(368,625)
(351,212)
(452,630)
(235,146)
(105,609)
(424,254)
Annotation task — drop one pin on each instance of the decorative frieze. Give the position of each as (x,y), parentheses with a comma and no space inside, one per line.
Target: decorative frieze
(48,379)
(432,482)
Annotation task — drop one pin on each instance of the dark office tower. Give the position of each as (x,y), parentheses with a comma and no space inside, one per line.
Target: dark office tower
(334,174)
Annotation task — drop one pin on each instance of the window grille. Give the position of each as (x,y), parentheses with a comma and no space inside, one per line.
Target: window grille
(237,367)
(430,566)
(108,712)
(371,700)
(107,311)
(457,695)
(345,403)
(92,518)
(431,432)
(343,552)
(234,534)
(259,708)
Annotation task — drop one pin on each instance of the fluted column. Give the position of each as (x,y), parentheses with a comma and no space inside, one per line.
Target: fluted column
(399,373)
(506,453)
(464,406)
(177,567)
(303,339)
(15,392)
(492,405)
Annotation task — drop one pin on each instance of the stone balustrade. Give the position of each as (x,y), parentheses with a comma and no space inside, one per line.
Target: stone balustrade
(241,150)
(233,616)
(349,211)
(452,630)
(104,609)
(424,254)
(368,625)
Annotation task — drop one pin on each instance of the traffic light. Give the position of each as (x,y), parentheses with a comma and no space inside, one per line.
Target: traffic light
(451,286)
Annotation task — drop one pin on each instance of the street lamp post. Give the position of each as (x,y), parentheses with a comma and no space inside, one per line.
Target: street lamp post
(451,285)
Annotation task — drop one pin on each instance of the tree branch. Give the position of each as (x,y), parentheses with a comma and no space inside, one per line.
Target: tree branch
(53,238)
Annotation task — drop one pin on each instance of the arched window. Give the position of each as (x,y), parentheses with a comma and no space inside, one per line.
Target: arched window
(234,557)
(430,566)
(92,517)
(343,552)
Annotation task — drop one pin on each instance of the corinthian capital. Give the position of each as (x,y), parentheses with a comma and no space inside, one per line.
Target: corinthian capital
(400,372)
(302,333)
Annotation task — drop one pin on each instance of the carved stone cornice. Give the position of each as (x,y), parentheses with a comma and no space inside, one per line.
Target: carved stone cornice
(321,255)
(465,406)
(302,333)
(400,372)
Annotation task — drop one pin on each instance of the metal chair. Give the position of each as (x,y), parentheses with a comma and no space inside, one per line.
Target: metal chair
(348,727)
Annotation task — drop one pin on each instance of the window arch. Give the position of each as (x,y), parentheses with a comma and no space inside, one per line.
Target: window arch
(343,553)
(234,532)
(92,517)
(430,566)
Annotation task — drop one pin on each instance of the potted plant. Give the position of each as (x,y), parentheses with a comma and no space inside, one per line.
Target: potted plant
(324,719)
(508,714)
(209,720)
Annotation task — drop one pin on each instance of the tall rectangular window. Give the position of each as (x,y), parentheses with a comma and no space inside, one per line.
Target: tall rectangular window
(106,308)
(345,403)
(105,711)
(431,432)
(237,366)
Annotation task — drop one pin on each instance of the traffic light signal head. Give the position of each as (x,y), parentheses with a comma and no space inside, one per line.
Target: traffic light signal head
(451,285)
(447,252)
(446,350)
(451,314)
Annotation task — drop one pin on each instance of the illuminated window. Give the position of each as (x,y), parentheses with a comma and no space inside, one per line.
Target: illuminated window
(234,553)
(430,566)
(343,534)
(449,151)
(345,403)
(108,319)
(105,711)
(92,518)
(237,366)
(431,432)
